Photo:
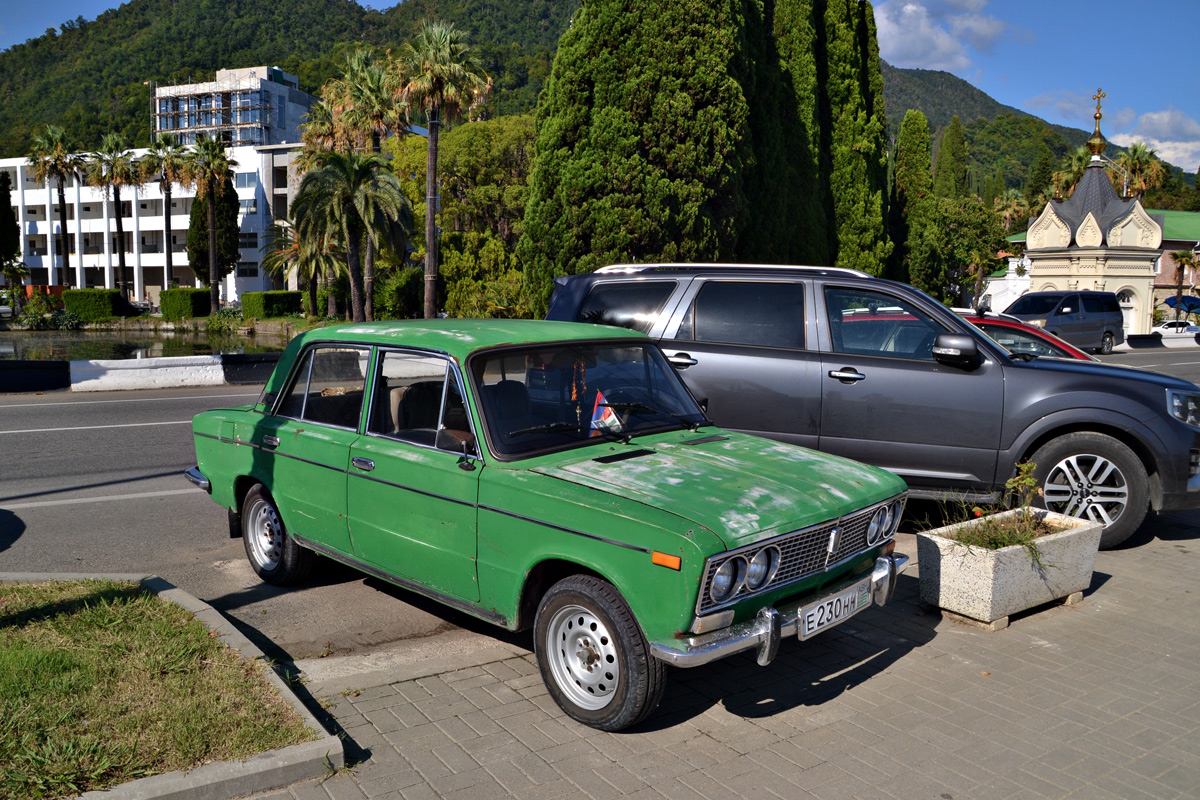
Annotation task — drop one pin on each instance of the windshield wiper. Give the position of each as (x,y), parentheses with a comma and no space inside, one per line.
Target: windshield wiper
(641,409)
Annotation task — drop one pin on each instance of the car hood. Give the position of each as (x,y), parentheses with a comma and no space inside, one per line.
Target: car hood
(1110,372)
(742,488)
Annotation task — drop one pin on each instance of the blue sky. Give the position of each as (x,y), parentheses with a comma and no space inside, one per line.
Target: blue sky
(1046,57)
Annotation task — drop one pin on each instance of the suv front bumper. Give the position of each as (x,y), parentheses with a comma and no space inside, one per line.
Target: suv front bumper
(768,628)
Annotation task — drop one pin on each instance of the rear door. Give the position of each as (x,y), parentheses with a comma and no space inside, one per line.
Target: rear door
(885,401)
(745,347)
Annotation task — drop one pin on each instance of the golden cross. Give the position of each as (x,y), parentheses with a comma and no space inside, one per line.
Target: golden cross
(1098,96)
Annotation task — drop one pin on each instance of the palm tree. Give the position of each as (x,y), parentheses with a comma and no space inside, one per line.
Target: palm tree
(165,162)
(51,156)
(1145,170)
(364,100)
(344,200)
(1066,178)
(111,168)
(208,166)
(285,252)
(1012,208)
(1184,260)
(439,75)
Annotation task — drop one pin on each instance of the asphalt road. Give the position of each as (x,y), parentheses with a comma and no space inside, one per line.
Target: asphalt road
(92,483)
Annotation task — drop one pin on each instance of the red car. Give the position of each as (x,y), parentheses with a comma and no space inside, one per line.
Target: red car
(1021,338)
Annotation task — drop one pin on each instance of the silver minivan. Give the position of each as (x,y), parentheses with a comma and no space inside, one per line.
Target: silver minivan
(1088,320)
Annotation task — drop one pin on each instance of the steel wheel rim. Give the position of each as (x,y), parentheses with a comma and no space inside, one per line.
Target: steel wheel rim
(265,535)
(1087,486)
(583,657)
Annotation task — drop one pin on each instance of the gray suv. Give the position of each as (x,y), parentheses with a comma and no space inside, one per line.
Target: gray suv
(1088,320)
(877,371)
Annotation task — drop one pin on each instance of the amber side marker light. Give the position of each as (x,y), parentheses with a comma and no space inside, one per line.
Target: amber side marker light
(664,560)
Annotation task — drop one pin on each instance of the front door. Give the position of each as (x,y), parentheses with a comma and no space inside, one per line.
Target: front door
(413,484)
(887,402)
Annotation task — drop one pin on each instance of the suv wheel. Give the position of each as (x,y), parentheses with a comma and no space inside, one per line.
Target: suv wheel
(1094,477)
(1106,344)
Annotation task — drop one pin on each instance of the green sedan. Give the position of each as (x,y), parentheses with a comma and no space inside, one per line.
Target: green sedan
(554,476)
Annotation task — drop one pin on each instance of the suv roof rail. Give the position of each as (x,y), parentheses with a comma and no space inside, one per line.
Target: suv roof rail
(636,268)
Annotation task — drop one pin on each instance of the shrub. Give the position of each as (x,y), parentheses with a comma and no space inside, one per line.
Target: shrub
(180,304)
(224,322)
(261,305)
(95,305)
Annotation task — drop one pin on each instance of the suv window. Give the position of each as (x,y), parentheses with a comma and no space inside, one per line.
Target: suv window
(328,387)
(759,313)
(634,304)
(1031,304)
(871,324)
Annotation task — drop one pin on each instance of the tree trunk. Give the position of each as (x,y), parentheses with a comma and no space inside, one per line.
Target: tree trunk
(214,282)
(168,272)
(62,231)
(431,269)
(1178,290)
(369,280)
(355,268)
(330,297)
(121,244)
(312,294)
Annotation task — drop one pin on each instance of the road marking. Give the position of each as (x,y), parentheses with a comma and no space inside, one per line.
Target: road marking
(99,427)
(132,400)
(104,499)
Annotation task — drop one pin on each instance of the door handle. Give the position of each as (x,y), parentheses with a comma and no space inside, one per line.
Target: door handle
(365,464)
(682,360)
(270,441)
(847,374)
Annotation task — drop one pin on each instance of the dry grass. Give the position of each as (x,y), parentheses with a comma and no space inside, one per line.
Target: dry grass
(101,683)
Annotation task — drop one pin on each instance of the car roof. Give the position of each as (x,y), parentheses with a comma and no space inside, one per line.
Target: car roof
(639,269)
(461,337)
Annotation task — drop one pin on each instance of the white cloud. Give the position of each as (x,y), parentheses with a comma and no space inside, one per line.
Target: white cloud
(1171,133)
(935,34)
(1071,106)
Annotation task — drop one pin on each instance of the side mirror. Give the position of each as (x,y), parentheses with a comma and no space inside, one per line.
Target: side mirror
(955,350)
(1064,310)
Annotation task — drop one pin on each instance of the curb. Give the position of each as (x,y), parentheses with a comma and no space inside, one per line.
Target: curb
(226,780)
(165,372)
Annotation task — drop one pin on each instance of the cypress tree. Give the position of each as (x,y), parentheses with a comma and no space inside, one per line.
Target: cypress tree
(642,142)
(227,236)
(858,157)
(912,186)
(950,171)
(10,231)
(1040,179)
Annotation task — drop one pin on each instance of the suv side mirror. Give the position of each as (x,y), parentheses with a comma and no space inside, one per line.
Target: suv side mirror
(1064,310)
(955,350)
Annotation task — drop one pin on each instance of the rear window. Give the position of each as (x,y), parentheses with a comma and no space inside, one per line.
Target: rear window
(759,314)
(1035,304)
(635,304)
(1095,304)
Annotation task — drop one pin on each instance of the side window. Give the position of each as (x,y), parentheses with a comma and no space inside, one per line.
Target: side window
(329,387)
(1093,304)
(418,399)
(633,304)
(1070,305)
(757,313)
(873,324)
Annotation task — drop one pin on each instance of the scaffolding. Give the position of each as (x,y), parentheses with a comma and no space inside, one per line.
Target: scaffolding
(234,109)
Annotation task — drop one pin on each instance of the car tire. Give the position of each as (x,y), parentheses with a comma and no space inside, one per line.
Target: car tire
(1094,477)
(1106,344)
(593,657)
(273,553)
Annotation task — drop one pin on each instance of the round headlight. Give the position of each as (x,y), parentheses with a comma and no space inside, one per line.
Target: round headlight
(727,579)
(762,568)
(878,526)
(896,512)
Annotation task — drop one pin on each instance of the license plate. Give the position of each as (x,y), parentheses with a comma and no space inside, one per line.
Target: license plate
(829,611)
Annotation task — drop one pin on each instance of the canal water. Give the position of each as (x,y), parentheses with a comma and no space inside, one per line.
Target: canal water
(102,345)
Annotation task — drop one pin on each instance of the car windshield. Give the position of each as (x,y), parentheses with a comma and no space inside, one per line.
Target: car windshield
(1035,304)
(553,397)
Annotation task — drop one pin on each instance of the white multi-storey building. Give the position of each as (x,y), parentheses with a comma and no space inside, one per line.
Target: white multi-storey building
(263,179)
(250,106)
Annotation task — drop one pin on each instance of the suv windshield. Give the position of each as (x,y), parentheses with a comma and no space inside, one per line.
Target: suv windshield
(553,397)
(1035,304)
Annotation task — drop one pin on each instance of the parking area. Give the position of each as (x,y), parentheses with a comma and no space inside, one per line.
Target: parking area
(1097,700)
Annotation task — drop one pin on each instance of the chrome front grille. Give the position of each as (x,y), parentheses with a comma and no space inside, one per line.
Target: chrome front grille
(803,553)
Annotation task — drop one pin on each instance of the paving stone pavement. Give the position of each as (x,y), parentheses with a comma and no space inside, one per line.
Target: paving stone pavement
(1099,700)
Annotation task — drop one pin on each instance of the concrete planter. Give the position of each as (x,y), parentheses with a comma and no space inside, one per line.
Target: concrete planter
(989,585)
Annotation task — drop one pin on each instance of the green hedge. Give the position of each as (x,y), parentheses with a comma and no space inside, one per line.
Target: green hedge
(180,304)
(261,305)
(95,305)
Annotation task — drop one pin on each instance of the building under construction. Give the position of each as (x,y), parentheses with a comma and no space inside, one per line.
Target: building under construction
(253,106)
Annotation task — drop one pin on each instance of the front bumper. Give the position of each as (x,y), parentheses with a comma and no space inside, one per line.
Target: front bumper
(197,477)
(768,628)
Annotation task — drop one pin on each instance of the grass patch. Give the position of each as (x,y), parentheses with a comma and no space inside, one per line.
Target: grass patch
(102,682)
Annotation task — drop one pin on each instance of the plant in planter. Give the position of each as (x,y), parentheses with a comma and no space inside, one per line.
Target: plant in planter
(998,564)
